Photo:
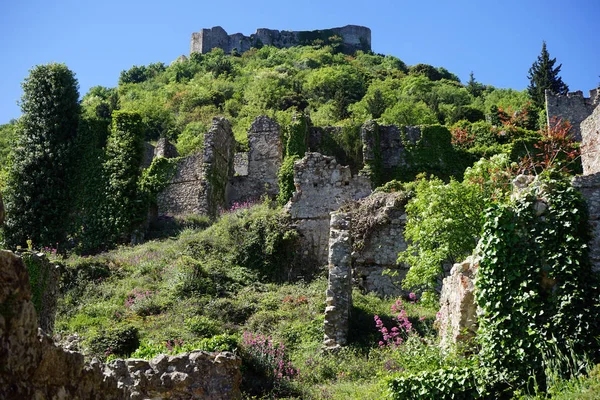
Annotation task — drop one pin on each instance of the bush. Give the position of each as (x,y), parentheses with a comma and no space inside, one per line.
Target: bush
(120,340)
(445,383)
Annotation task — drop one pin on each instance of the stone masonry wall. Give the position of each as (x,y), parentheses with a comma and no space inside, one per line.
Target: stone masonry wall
(354,38)
(589,183)
(339,287)
(33,367)
(380,220)
(572,107)
(322,185)
(590,150)
(458,313)
(200,182)
(264,157)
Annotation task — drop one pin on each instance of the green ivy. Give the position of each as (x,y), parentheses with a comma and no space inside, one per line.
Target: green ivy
(374,166)
(38,279)
(155,179)
(535,285)
(285,178)
(297,137)
(445,383)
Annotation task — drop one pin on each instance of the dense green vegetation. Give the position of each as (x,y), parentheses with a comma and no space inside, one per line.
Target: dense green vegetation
(237,283)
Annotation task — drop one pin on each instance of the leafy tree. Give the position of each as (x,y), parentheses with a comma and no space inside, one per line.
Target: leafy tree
(542,75)
(376,104)
(475,88)
(124,154)
(37,196)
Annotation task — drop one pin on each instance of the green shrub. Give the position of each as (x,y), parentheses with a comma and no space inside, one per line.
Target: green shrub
(202,326)
(445,383)
(119,340)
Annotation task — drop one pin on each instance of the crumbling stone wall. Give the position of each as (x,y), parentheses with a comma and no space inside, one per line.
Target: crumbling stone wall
(354,38)
(590,149)
(200,181)
(264,159)
(339,286)
(378,234)
(572,107)
(458,313)
(589,183)
(33,367)
(322,186)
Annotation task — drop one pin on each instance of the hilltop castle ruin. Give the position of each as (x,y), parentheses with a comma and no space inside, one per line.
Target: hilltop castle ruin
(353,37)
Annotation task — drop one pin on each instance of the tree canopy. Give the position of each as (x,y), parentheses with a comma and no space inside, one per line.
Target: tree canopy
(543,75)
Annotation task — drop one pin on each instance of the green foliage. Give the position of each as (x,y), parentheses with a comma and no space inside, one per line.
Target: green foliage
(535,285)
(119,340)
(37,194)
(124,153)
(149,349)
(38,279)
(285,178)
(7,139)
(155,179)
(297,137)
(544,76)
(444,223)
(445,383)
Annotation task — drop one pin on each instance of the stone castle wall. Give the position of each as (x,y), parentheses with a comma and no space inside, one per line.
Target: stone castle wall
(200,181)
(256,171)
(572,107)
(322,186)
(590,150)
(354,38)
(33,367)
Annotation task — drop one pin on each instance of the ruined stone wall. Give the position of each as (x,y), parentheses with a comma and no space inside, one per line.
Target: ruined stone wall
(458,313)
(354,38)
(33,367)
(589,183)
(380,220)
(322,186)
(590,150)
(572,107)
(264,159)
(339,285)
(200,182)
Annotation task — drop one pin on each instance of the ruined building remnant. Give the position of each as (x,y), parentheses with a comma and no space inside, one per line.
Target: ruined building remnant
(339,287)
(572,107)
(256,171)
(322,185)
(353,37)
(458,313)
(200,181)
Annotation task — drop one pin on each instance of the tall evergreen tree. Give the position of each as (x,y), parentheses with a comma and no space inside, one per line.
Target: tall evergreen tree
(542,75)
(37,194)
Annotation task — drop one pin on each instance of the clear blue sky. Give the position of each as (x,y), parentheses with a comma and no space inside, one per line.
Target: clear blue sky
(496,39)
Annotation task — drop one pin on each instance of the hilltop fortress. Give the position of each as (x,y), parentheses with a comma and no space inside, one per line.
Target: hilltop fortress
(353,37)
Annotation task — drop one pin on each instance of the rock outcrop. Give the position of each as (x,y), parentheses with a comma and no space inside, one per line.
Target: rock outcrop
(33,367)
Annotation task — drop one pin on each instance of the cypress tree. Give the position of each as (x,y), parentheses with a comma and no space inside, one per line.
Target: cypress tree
(37,194)
(542,75)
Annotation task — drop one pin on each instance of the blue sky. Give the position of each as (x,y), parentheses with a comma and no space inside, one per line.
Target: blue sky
(497,40)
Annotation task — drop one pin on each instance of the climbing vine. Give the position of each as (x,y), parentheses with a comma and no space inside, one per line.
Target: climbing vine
(535,286)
